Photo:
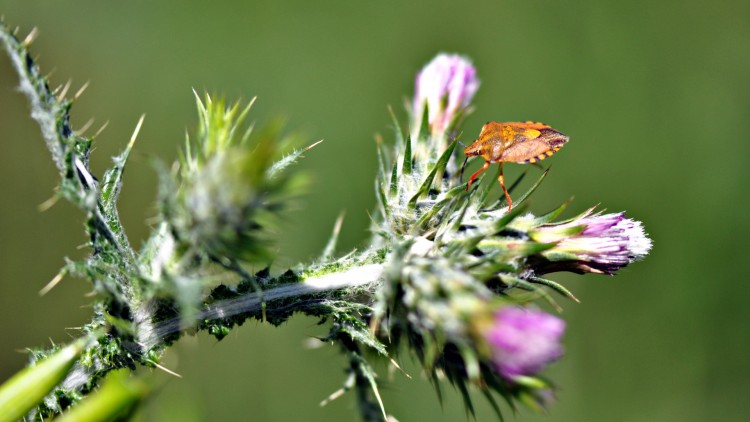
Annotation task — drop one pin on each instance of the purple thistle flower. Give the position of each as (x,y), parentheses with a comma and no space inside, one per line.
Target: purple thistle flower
(606,243)
(523,341)
(446,85)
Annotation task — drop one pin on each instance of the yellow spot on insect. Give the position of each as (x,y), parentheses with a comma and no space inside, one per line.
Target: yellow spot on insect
(532,160)
(531,133)
(541,156)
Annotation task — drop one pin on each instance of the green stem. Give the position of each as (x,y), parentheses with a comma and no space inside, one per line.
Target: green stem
(321,286)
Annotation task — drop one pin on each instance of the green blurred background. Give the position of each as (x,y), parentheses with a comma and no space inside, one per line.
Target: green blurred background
(654,95)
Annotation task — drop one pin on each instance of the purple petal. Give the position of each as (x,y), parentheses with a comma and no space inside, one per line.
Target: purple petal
(524,341)
(446,85)
(607,242)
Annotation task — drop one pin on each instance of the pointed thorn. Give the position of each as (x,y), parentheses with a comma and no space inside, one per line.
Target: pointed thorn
(51,285)
(85,127)
(394,363)
(169,371)
(135,132)
(339,222)
(101,129)
(348,384)
(64,92)
(330,248)
(313,145)
(31,37)
(44,206)
(374,388)
(201,107)
(336,394)
(81,90)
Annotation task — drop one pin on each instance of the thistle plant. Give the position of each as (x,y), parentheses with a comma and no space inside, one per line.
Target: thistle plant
(450,276)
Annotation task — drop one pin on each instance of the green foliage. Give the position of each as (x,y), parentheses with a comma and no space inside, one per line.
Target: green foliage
(231,187)
(117,399)
(27,388)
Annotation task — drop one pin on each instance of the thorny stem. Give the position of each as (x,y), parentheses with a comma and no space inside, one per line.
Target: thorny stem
(358,276)
(321,286)
(70,151)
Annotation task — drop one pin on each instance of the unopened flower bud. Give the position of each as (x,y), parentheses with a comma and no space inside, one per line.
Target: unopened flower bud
(523,341)
(445,86)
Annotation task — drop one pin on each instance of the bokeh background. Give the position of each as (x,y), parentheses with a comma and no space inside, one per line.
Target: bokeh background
(655,96)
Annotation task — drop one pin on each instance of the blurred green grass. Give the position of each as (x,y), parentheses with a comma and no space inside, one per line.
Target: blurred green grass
(654,95)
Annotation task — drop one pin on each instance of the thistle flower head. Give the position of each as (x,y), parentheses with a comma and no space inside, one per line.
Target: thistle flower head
(447,308)
(435,297)
(423,167)
(523,341)
(445,87)
(230,187)
(599,243)
(463,268)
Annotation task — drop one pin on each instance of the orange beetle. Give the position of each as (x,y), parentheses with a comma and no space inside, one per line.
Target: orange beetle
(513,142)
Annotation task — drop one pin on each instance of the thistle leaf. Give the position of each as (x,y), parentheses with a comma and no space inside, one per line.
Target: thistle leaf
(501,202)
(424,128)
(546,218)
(394,180)
(556,287)
(439,167)
(396,128)
(407,165)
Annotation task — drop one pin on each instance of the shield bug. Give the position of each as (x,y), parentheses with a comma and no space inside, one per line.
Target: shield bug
(513,142)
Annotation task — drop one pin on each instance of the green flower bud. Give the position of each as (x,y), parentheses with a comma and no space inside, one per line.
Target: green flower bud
(230,189)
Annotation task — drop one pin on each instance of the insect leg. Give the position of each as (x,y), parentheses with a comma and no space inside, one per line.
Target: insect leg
(501,179)
(463,166)
(474,176)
